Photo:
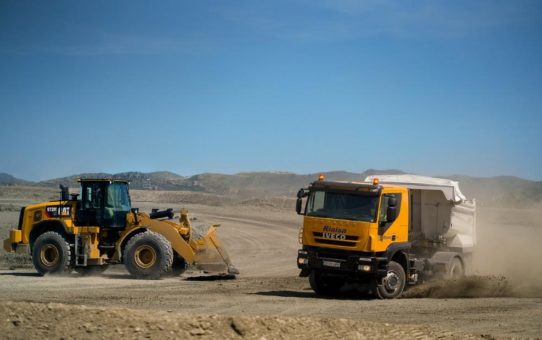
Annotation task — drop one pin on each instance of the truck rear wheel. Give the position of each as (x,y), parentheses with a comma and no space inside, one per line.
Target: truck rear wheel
(455,269)
(51,254)
(391,285)
(148,255)
(323,284)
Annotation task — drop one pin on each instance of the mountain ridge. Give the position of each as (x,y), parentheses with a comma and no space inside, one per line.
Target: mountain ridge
(498,190)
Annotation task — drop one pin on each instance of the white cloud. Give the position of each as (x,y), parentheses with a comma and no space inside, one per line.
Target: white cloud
(324,20)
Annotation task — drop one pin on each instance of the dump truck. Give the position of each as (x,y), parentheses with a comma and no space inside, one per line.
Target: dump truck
(384,233)
(100,228)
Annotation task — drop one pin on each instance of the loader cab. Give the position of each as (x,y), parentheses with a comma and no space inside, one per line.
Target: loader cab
(104,203)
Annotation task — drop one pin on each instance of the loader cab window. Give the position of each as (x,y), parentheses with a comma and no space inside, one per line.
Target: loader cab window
(104,204)
(117,205)
(117,197)
(91,210)
(92,195)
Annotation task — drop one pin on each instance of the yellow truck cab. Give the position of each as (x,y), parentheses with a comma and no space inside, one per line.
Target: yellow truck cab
(385,232)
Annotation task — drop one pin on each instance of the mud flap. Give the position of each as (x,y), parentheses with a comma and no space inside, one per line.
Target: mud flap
(212,257)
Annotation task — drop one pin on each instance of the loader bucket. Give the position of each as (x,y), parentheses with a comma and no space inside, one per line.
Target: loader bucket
(211,257)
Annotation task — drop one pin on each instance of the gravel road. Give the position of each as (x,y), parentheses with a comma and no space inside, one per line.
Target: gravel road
(268,289)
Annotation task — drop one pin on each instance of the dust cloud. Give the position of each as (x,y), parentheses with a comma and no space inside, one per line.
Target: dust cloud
(507,259)
(467,287)
(509,244)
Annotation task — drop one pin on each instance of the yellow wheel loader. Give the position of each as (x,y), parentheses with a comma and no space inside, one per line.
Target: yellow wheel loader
(87,234)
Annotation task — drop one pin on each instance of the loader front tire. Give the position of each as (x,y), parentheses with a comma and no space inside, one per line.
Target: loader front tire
(148,255)
(179,266)
(51,254)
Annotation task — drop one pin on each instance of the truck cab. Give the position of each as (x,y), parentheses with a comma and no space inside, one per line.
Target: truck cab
(368,232)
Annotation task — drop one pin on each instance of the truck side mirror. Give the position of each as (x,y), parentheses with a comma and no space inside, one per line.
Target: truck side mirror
(298,205)
(302,193)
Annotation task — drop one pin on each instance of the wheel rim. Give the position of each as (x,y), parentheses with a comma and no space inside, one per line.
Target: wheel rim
(392,282)
(456,271)
(49,255)
(145,256)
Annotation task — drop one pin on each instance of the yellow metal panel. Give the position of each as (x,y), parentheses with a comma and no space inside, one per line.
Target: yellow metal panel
(172,235)
(356,233)
(398,230)
(15,236)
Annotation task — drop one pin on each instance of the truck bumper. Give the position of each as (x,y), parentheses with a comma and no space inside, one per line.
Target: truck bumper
(345,264)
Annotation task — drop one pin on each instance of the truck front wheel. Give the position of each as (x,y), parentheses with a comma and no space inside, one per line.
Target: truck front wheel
(323,284)
(391,285)
(148,255)
(51,254)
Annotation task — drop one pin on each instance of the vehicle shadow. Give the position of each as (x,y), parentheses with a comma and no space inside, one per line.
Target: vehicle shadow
(115,276)
(14,273)
(210,278)
(309,294)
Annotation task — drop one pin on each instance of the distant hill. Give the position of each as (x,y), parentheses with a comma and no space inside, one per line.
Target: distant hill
(7,179)
(160,180)
(502,190)
(494,191)
(267,184)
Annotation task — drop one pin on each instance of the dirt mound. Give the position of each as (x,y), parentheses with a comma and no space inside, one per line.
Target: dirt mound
(467,287)
(33,320)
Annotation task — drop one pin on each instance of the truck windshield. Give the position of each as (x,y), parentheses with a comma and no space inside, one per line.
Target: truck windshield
(342,205)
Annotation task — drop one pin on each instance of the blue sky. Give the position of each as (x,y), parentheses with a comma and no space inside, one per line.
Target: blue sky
(430,87)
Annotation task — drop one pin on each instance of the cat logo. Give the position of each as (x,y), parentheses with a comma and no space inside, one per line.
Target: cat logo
(58,211)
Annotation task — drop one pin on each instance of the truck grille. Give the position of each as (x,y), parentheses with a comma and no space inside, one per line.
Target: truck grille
(347,242)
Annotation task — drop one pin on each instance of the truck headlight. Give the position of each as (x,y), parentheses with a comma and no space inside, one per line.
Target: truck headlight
(302,260)
(364,267)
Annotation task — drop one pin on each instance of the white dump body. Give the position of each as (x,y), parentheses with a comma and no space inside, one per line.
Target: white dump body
(438,210)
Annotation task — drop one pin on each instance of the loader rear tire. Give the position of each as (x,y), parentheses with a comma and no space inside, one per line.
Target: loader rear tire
(148,255)
(51,254)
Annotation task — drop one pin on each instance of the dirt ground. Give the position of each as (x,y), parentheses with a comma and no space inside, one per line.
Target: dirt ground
(268,300)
